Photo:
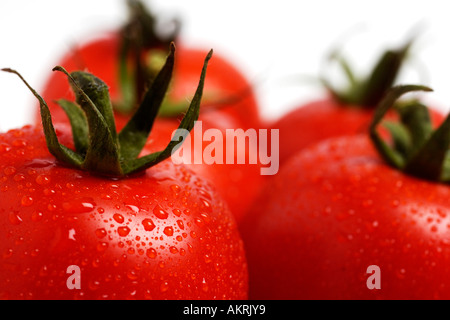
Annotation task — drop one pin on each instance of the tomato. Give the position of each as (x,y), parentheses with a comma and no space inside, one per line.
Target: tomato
(103,215)
(339,222)
(228,103)
(227,94)
(341,113)
(161,235)
(336,209)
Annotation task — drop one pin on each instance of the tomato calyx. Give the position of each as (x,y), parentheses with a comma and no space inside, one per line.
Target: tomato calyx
(99,149)
(367,92)
(140,37)
(417,148)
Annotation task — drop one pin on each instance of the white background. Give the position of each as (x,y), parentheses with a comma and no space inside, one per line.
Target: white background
(275,43)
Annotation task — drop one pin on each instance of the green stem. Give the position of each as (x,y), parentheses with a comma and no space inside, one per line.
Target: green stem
(418,149)
(98,147)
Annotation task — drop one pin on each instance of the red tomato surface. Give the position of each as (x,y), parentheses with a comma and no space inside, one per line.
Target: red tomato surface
(334,210)
(223,81)
(164,234)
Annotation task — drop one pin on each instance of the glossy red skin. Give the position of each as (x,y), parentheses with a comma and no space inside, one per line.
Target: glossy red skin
(322,119)
(335,209)
(165,234)
(100,57)
(236,183)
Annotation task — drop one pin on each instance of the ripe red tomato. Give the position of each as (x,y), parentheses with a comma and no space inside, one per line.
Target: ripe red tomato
(334,210)
(225,84)
(89,207)
(340,222)
(161,235)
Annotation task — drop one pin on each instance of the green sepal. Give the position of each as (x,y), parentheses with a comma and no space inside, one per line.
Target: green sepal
(99,149)
(134,135)
(418,150)
(58,150)
(394,157)
(79,124)
(367,92)
(186,125)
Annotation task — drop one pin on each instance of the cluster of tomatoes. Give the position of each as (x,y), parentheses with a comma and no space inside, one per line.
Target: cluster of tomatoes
(213,231)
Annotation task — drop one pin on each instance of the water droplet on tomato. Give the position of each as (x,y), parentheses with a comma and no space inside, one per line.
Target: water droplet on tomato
(160,213)
(9,170)
(123,231)
(79,205)
(14,218)
(164,286)
(118,218)
(131,274)
(36,216)
(168,231)
(42,179)
(175,188)
(148,224)
(8,253)
(100,233)
(205,286)
(102,246)
(26,201)
(151,253)
(206,205)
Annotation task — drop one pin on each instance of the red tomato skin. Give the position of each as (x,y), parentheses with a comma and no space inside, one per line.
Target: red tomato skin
(100,57)
(334,210)
(322,119)
(164,234)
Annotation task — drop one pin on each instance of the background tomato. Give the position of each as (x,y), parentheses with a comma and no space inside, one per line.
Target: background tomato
(334,210)
(226,90)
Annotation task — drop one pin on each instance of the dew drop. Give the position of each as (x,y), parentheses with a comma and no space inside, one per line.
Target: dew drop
(151,253)
(78,206)
(14,218)
(42,179)
(164,286)
(148,224)
(205,287)
(9,171)
(160,213)
(175,188)
(26,201)
(8,253)
(168,231)
(123,231)
(206,205)
(118,218)
(102,246)
(132,275)
(100,233)
(36,216)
